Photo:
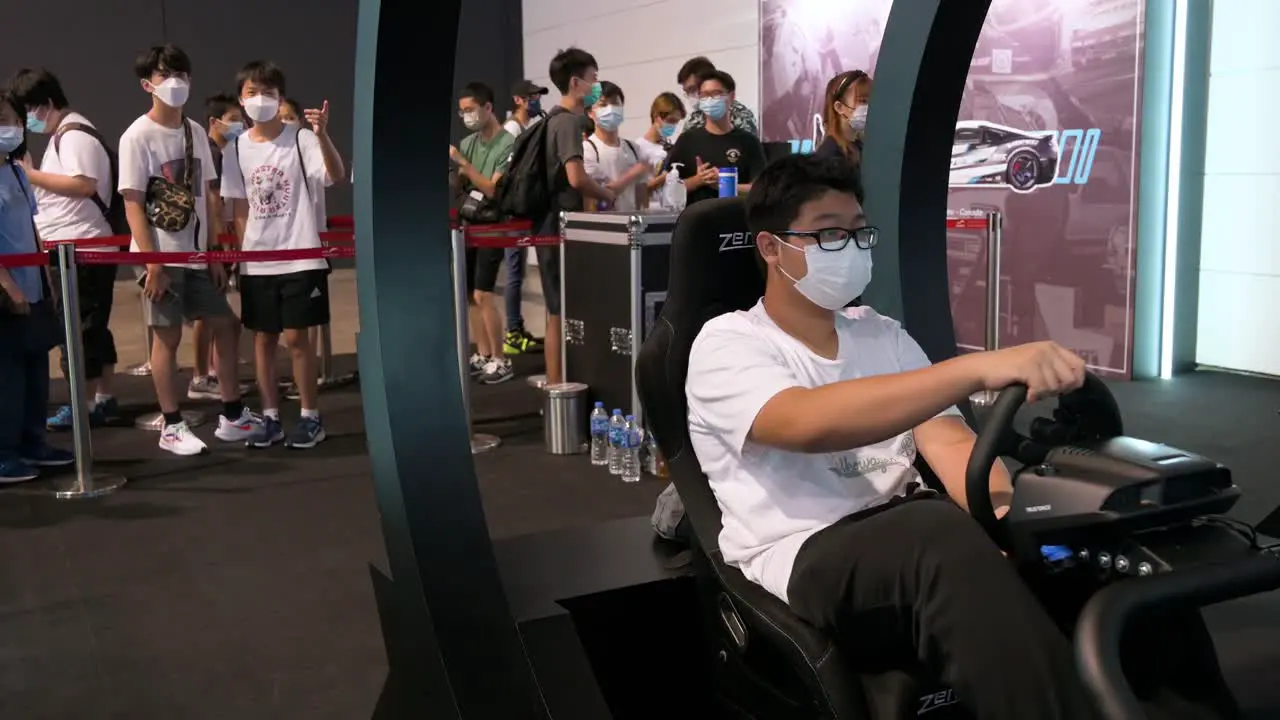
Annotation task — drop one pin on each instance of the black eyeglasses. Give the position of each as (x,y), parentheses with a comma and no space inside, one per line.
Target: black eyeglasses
(835,239)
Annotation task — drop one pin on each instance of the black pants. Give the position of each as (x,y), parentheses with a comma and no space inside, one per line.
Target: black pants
(917,584)
(25,342)
(96,285)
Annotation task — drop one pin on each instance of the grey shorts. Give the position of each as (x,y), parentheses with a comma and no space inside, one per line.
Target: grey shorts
(191,296)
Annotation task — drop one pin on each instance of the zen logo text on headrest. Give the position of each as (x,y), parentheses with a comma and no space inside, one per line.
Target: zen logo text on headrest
(735,241)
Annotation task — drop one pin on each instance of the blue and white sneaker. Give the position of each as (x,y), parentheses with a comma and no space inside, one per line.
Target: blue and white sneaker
(13,470)
(105,412)
(49,457)
(308,433)
(266,433)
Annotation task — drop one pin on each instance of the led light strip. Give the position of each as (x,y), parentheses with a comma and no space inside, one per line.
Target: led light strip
(1173,188)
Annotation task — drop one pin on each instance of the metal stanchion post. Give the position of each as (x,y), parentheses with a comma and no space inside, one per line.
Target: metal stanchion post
(480,442)
(327,378)
(85,484)
(991,339)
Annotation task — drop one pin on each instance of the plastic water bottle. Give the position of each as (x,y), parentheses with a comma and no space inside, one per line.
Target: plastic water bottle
(617,439)
(632,442)
(599,435)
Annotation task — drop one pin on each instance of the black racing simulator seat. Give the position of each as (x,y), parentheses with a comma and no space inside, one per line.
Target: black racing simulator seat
(1089,502)
(770,664)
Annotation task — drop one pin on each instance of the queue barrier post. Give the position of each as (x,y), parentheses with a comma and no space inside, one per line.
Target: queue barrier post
(480,442)
(85,484)
(991,320)
(328,380)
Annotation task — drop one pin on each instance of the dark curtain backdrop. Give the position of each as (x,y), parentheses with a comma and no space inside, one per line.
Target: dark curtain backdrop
(314,42)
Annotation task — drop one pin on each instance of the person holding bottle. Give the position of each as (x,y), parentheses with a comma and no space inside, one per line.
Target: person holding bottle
(844,115)
(665,115)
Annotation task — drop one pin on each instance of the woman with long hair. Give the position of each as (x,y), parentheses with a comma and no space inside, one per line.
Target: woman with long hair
(844,115)
(29,327)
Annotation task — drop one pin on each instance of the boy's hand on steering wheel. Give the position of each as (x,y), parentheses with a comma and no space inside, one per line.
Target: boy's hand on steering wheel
(1046,368)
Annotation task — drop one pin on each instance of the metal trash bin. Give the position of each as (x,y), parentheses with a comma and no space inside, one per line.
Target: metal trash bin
(564,417)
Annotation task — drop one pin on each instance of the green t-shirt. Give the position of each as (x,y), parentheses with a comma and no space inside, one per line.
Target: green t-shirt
(488,157)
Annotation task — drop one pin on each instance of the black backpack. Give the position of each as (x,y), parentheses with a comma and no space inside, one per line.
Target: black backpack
(114,213)
(524,191)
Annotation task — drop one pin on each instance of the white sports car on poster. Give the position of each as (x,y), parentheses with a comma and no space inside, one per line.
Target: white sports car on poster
(986,153)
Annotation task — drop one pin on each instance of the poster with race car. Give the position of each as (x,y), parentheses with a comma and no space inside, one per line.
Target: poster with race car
(1047,136)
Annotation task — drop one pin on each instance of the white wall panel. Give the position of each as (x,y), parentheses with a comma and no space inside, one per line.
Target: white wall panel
(1240,235)
(641,45)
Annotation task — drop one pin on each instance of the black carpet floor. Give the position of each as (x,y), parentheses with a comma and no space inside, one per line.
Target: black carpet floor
(234,586)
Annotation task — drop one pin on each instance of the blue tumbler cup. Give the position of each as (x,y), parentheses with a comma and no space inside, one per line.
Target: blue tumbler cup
(728,182)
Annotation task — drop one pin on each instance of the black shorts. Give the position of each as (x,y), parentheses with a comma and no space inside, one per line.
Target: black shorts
(549,270)
(293,301)
(483,265)
(96,285)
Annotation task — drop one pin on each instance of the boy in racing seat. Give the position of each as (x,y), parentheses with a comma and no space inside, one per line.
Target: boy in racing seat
(807,417)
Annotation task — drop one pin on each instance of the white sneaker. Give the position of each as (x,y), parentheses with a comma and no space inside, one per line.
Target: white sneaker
(179,440)
(497,371)
(237,430)
(478,363)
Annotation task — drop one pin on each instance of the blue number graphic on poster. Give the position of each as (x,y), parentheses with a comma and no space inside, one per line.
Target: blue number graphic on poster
(1084,146)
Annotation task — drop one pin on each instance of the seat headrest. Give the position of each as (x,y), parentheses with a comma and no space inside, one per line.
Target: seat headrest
(713,263)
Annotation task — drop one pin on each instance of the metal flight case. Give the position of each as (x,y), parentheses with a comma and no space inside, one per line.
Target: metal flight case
(613,269)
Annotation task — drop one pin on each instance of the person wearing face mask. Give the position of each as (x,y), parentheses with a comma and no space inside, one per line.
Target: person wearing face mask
(75,191)
(526,96)
(807,419)
(574,73)
(161,149)
(703,151)
(29,326)
(690,80)
(612,161)
(271,173)
(481,159)
(844,115)
(665,115)
(226,123)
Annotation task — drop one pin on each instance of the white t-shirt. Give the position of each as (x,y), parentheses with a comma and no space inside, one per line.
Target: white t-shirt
(514,127)
(147,150)
(773,500)
(78,155)
(651,152)
(282,202)
(607,163)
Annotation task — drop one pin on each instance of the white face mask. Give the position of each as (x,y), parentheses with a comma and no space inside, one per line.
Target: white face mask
(834,277)
(261,108)
(858,121)
(172,92)
(472,120)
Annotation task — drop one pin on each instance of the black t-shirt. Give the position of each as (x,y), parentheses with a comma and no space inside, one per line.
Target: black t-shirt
(736,148)
(831,148)
(564,143)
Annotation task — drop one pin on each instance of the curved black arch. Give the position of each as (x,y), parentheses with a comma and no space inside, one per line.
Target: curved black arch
(452,644)
(920,79)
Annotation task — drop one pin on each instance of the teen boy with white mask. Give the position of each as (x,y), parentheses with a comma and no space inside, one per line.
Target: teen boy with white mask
(161,150)
(272,173)
(613,162)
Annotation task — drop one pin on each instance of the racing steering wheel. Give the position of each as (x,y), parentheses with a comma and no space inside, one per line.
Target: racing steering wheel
(1087,413)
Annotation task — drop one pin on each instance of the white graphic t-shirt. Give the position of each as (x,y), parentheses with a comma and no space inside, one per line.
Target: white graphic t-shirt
(78,154)
(607,163)
(282,201)
(773,500)
(149,149)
